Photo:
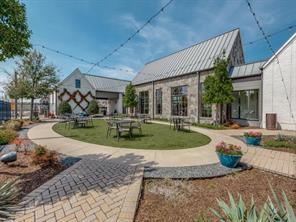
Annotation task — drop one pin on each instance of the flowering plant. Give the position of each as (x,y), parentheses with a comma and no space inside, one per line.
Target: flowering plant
(20,145)
(253,133)
(228,149)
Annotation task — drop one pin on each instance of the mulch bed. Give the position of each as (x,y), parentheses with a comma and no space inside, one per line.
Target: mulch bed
(179,201)
(29,176)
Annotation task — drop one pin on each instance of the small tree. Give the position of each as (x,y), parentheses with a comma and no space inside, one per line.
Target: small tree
(64,108)
(218,87)
(130,97)
(17,88)
(93,108)
(40,78)
(14,30)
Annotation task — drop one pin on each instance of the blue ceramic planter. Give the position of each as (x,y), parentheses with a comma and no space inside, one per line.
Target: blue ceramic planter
(230,161)
(255,141)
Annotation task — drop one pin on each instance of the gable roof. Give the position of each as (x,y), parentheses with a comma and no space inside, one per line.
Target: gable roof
(195,58)
(101,83)
(245,70)
(106,84)
(280,50)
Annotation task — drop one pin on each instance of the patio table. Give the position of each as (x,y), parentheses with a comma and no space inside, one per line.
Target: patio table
(177,121)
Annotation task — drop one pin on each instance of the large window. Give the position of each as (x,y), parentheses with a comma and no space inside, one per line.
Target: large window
(245,105)
(77,83)
(144,102)
(158,101)
(179,101)
(206,109)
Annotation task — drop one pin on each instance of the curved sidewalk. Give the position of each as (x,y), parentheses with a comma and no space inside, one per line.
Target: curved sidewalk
(44,135)
(274,161)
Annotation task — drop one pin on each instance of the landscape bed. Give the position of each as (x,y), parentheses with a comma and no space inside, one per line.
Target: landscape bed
(190,200)
(28,176)
(154,136)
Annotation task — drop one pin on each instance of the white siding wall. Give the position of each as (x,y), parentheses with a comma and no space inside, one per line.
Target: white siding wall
(69,84)
(276,90)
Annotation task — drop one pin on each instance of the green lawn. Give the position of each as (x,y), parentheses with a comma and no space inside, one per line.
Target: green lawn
(154,137)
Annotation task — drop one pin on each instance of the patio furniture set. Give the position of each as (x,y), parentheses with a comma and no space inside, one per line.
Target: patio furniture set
(76,121)
(180,123)
(123,126)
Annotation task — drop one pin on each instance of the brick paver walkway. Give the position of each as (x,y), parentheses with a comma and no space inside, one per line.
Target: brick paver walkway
(94,189)
(105,184)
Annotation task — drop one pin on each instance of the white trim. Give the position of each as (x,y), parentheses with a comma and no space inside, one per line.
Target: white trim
(280,50)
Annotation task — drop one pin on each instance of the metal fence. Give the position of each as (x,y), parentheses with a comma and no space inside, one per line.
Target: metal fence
(5,112)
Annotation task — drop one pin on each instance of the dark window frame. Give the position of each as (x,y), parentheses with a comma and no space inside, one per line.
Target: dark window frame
(205,109)
(144,102)
(77,83)
(158,101)
(179,100)
(240,104)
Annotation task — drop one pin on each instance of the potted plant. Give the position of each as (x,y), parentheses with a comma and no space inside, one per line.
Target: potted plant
(253,137)
(228,154)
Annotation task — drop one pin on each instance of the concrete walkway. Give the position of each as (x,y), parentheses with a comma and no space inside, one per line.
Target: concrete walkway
(274,161)
(44,135)
(105,185)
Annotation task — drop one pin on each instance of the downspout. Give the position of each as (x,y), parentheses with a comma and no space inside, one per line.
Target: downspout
(56,102)
(153,100)
(198,97)
(261,102)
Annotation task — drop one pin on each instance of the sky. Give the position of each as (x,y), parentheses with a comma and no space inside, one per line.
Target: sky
(90,29)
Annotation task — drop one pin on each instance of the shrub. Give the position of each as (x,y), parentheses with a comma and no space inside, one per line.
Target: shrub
(237,211)
(252,133)
(64,108)
(228,149)
(8,194)
(6,136)
(13,124)
(93,108)
(209,126)
(44,157)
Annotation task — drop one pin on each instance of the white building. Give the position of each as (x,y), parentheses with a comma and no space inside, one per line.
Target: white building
(279,86)
(79,89)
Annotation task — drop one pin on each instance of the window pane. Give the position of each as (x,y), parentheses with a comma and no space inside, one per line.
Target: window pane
(158,101)
(235,106)
(77,83)
(179,100)
(144,102)
(246,105)
(206,109)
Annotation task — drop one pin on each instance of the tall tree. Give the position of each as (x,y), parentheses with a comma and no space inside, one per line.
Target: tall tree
(218,87)
(14,31)
(41,78)
(130,97)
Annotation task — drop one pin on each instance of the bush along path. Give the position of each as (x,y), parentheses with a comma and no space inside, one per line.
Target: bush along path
(27,169)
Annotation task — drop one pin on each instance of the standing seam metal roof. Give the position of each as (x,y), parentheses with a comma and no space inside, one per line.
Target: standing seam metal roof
(107,84)
(245,70)
(192,59)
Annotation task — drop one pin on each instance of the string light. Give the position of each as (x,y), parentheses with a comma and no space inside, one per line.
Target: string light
(81,59)
(132,36)
(273,53)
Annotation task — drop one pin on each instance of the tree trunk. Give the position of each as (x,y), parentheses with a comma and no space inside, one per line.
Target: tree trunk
(15,108)
(221,114)
(32,109)
(21,109)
